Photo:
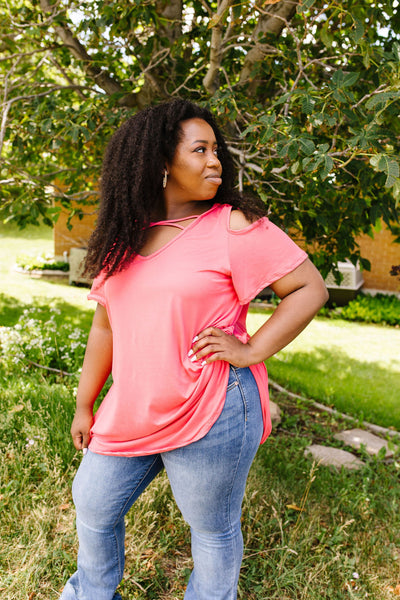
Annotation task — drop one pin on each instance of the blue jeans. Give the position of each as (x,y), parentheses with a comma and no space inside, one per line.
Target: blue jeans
(208,480)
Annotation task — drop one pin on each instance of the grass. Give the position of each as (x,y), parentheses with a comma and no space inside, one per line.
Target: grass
(18,291)
(354,367)
(307,530)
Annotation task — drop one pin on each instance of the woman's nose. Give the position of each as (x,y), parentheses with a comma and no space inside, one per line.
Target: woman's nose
(213,159)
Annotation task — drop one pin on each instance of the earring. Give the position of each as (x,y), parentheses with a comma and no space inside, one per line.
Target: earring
(164,181)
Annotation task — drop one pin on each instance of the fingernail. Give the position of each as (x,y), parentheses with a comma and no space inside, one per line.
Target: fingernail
(203,363)
(190,352)
(84,451)
(193,358)
(196,337)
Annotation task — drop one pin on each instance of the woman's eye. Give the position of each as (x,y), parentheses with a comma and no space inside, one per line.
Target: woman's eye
(203,150)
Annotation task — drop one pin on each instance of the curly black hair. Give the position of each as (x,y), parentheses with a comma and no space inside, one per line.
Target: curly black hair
(131,183)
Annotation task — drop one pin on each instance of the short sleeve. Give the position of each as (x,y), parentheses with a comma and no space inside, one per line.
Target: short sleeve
(259,255)
(97,291)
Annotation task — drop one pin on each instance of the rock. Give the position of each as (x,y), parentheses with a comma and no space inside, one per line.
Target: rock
(334,457)
(275,413)
(358,437)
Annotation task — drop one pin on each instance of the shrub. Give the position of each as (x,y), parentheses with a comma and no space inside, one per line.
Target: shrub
(382,308)
(40,263)
(35,340)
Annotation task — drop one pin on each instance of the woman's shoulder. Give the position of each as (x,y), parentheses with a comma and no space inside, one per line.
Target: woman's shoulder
(237,220)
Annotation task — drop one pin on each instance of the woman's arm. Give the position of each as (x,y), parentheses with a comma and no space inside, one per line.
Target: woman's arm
(95,370)
(302,294)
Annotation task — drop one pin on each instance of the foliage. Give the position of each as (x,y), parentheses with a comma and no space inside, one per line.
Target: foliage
(42,262)
(307,91)
(381,308)
(395,271)
(36,343)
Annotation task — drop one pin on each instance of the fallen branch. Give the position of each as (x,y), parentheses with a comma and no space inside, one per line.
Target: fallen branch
(332,411)
(35,364)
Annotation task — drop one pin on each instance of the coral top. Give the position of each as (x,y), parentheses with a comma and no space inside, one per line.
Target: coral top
(205,276)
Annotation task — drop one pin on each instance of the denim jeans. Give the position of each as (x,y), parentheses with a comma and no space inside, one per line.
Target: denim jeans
(207,478)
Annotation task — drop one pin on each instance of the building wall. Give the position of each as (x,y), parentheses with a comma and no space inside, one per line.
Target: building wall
(382,252)
(78,236)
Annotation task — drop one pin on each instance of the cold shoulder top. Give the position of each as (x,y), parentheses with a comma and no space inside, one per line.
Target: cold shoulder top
(205,276)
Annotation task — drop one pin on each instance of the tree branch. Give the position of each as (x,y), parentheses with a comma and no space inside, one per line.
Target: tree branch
(101,78)
(171,12)
(55,88)
(67,77)
(210,80)
(6,104)
(26,54)
(272,21)
(3,126)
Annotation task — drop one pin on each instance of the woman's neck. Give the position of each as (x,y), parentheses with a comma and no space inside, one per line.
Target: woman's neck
(180,211)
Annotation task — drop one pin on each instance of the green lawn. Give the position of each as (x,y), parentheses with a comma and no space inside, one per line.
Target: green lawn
(352,366)
(18,291)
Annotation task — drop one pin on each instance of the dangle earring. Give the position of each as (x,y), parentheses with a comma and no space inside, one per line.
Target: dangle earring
(164,181)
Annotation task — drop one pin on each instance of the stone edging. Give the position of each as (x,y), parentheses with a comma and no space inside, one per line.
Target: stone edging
(355,438)
(39,273)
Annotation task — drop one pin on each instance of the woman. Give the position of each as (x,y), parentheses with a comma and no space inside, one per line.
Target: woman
(177,255)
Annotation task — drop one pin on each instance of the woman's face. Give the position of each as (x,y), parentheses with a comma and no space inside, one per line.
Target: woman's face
(195,171)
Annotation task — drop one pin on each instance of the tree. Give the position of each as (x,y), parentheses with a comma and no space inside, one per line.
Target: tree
(306,90)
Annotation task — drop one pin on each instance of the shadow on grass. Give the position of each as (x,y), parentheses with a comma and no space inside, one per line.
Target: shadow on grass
(11,309)
(31,232)
(366,390)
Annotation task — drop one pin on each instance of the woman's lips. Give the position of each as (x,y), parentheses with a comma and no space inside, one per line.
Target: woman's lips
(216,179)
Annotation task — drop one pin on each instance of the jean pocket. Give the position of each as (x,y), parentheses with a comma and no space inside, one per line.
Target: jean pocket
(233,379)
(232,385)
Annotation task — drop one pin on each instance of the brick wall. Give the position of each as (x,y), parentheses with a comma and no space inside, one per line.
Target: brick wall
(77,237)
(383,253)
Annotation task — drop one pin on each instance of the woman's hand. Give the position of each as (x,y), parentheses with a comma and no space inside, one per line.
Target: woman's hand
(213,344)
(80,428)
(302,294)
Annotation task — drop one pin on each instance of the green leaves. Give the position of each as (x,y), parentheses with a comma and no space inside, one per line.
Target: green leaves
(341,80)
(307,105)
(316,158)
(313,128)
(387,165)
(340,83)
(358,31)
(305,5)
(307,146)
(381,99)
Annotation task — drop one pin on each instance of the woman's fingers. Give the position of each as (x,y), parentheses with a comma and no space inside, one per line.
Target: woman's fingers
(207,341)
(80,428)
(214,344)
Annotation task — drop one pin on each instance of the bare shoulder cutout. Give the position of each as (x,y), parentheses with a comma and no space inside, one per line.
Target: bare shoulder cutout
(238,220)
